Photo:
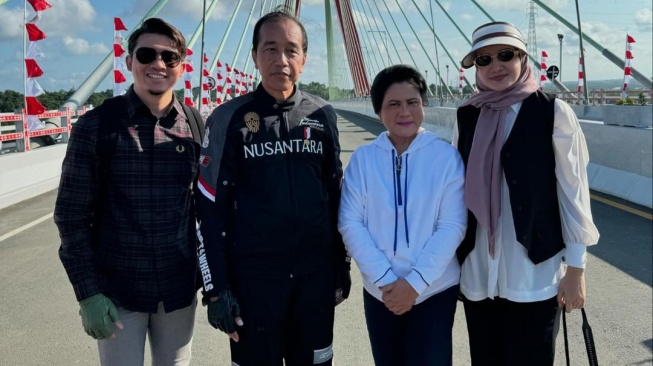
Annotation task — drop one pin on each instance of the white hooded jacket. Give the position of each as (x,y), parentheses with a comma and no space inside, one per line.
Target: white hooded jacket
(404,217)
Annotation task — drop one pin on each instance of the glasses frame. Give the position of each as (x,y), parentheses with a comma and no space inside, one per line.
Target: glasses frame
(501,56)
(170,58)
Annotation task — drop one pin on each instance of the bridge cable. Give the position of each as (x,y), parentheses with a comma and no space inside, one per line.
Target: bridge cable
(385,27)
(368,44)
(379,31)
(437,57)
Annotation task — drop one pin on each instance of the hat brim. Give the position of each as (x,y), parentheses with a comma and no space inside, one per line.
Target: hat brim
(468,60)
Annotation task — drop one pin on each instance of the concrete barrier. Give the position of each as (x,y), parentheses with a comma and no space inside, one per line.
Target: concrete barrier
(26,175)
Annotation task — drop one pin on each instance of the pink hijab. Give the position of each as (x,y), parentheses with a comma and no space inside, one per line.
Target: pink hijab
(483,177)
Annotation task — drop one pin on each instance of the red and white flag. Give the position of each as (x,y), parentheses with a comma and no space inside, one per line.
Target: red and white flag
(32,87)
(219,83)
(236,82)
(581,76)
(461,77)
(118,25)
(118,62)
(39,5)
(188,87)
(543,60)
(205,110)
(628,64)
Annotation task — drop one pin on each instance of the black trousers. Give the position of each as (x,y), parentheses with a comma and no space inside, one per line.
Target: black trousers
(285,319)
(507,333)
(421,336)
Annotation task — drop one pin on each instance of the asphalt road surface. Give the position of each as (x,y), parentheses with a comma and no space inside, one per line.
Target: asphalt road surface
(40,325)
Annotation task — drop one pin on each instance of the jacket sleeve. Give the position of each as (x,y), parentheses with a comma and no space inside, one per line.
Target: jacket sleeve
(448,228)
(75,206)
(572,157)
(372,262)
(332,176)
(215,204)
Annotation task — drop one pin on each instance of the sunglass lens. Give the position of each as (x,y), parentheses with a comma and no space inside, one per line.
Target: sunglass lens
(145,55)
(483,60)
(170,58)
(505,55)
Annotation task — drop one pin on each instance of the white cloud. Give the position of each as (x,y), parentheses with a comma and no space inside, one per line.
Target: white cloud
(67,17)
(11,26)
(644,17)
(466,17)
(63,18)
(79,46)
(313,2)
(520,5)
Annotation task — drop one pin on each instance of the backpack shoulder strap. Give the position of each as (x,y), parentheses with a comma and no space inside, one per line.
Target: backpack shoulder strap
(110,119)
(196,123)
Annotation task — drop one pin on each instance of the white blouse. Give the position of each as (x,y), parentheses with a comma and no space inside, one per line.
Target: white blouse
(511,274)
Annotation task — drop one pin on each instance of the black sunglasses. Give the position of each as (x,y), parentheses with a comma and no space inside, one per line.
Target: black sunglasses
(503,56)
(146,55)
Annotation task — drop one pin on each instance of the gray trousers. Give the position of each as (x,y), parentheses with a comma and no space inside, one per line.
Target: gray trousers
(170,336)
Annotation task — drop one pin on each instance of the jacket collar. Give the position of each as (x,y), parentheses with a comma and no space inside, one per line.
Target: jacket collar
(268,100)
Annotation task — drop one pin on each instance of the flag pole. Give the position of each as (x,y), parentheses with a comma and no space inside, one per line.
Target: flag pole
(582,52)
(624,95)
(199,97)
(24,57)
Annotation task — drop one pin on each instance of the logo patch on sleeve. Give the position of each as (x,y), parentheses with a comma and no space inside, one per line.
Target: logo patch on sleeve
(204,161)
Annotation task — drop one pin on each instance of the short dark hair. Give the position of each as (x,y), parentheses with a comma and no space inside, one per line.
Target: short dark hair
(394,75)
(158,26)
(280,13)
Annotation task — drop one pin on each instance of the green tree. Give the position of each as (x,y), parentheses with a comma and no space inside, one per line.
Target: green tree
(316,88)
(10,101)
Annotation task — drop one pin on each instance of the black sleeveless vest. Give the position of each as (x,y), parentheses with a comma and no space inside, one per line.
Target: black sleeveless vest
(528,164)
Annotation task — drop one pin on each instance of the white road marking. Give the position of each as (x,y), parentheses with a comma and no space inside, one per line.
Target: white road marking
(26,226)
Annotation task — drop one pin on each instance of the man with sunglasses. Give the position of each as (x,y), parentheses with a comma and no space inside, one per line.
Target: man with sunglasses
(529,223)
(125,209)
(274,265)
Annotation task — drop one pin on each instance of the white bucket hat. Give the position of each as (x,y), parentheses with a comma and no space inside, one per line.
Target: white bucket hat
(492,34)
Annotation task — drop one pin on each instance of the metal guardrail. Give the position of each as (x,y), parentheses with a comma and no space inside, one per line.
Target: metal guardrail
(13,126)
(595,96)
(602,96)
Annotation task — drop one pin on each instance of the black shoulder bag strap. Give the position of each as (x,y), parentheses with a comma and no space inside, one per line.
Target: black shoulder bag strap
(196,123)
(111,111)
(110,119)
(587,336)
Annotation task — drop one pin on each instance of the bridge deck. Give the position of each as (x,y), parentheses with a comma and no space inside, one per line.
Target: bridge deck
(41,325)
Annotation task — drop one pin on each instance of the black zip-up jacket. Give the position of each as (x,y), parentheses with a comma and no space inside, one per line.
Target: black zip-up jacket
(269,190)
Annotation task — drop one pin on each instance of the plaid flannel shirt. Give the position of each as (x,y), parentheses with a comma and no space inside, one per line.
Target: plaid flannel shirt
(137,245)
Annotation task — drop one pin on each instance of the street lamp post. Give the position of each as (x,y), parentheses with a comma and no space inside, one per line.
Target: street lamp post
(447,78)
(426,79)
(560,37)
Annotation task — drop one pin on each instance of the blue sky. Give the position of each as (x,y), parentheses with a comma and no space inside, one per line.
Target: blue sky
(80,34)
